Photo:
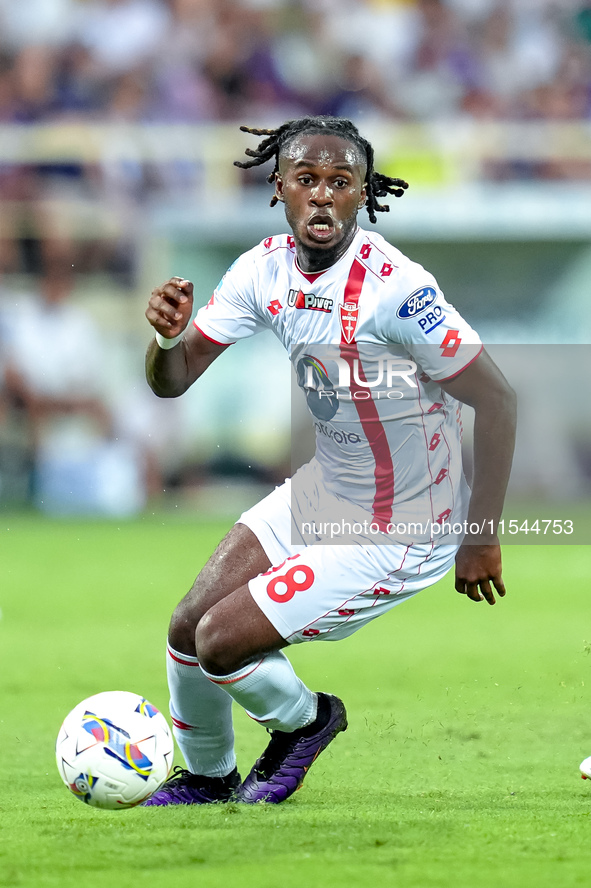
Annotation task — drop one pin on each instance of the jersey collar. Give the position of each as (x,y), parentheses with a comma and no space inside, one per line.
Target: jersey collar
(345,259)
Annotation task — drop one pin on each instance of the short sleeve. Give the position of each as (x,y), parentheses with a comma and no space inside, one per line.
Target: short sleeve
(433,331)
(231,312)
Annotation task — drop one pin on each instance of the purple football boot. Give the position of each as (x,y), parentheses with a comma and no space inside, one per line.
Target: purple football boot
(184,788)
(285,762)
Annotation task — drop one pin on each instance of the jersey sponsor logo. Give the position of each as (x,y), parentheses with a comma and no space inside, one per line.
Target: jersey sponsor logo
(298,299)
(432,319)
(336,436)
(348,317)
(450,344)
(417,302)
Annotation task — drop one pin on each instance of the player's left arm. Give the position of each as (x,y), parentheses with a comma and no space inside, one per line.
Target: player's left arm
(478,561)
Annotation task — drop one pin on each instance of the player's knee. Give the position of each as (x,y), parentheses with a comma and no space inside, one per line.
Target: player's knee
(213,648)
(181,632)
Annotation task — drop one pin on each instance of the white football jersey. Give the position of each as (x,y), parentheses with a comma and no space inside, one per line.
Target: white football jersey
(370,338)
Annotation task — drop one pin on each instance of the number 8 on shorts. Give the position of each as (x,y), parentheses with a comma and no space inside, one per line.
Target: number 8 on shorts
(297,579)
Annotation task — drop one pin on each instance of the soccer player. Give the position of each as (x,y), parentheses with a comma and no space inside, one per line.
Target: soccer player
(330,290)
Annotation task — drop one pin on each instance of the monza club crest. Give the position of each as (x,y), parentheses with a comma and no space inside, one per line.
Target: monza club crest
(348,315)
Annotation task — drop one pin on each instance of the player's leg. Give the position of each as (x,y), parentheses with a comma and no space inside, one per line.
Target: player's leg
(239,649)
(200,710)
(323,592)
(238,558)
(302,723)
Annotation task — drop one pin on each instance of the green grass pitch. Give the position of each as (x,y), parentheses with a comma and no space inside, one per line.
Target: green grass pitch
(459,768)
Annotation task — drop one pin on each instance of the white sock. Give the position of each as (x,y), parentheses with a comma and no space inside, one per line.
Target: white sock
(201,717)
(271,693)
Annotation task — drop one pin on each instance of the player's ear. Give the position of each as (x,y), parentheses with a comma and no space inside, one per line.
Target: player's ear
(363,196)
(279,188)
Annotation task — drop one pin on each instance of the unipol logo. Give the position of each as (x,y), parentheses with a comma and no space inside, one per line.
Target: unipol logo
(298,299)
(417,302)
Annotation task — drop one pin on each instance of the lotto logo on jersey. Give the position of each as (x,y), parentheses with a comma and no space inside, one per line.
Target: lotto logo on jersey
(298,299)
(450,344)
(417,302)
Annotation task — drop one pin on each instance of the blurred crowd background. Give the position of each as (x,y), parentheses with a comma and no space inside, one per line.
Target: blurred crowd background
(211,60)
(119,122)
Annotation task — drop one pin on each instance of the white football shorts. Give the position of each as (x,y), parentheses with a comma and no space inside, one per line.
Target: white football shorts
(328,591)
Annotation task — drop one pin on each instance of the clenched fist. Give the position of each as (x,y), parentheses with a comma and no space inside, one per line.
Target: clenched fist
(170,307)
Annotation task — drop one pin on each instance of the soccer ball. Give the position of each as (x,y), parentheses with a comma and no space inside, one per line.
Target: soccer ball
(585,768)
(114,750)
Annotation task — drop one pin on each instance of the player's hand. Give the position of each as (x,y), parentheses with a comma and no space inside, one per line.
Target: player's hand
(478,570)
(170,307)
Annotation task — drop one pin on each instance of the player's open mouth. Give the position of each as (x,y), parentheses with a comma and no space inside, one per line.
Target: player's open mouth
(320,228)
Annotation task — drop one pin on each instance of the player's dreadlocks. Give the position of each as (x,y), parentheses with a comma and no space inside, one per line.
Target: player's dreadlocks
(377,184)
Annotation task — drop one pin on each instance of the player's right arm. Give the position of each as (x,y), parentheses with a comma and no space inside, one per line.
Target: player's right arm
(170,372)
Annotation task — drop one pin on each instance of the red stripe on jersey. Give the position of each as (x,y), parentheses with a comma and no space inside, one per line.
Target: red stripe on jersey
(354,282)
(215,341)
(368,413)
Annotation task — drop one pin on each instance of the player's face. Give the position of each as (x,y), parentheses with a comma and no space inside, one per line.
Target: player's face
(321,181)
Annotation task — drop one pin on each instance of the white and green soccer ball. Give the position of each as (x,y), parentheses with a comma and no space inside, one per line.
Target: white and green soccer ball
(585,767)
(114,750)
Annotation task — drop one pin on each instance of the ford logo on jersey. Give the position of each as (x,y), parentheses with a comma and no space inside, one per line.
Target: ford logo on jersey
(417,302)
